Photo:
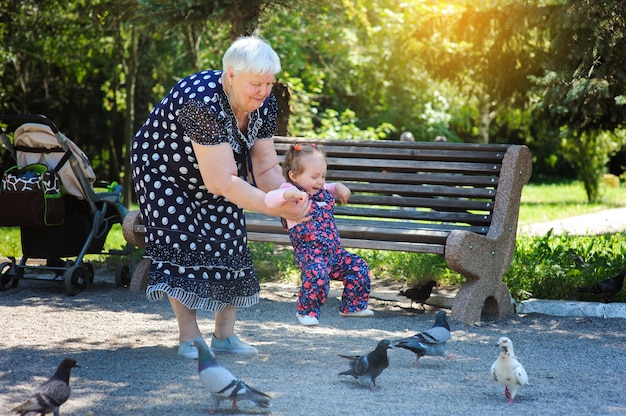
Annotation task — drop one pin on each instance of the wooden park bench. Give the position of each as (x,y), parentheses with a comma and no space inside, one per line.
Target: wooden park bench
(458,200)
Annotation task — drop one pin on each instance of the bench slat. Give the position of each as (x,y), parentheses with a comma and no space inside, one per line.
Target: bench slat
(412,166)
(360,243)
(376,230)
(403,150)
(413,214)
(422,190)
(412,178)
(433,203)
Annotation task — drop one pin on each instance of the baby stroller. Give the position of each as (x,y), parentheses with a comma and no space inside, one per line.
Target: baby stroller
(50,196)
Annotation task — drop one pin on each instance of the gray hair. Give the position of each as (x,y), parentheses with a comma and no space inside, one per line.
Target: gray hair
(252,54)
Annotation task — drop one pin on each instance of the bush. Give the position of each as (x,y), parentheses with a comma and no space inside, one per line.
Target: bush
(554,266)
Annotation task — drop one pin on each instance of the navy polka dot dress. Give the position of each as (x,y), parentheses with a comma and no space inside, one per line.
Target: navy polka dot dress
(196,240)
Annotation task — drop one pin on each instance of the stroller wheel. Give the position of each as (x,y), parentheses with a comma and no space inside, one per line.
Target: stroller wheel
(8,278)
(122,276)
(76,279)
(90,272)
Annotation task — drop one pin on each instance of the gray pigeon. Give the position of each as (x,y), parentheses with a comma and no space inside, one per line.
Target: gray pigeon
(49,396)
(221,383)
(507,371)
(432,342)
(367,367)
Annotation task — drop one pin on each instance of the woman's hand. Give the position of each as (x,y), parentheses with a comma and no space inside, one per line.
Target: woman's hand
(296,206)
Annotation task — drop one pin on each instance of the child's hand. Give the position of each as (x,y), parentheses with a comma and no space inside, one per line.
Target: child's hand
(342,193)
(295,195)
(296,206)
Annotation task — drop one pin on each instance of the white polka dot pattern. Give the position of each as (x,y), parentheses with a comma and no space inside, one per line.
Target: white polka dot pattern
(195,239)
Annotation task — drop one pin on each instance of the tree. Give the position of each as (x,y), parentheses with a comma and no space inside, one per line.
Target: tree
(487,51)
(582,94)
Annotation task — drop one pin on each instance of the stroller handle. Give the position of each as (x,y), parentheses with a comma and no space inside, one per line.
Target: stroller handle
(30,118)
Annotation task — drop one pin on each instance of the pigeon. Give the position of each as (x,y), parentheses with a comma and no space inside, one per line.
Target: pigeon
(419,293)
(366,368)
(606,289)
(49,396)
(507,371)
(221,383)
(431,342)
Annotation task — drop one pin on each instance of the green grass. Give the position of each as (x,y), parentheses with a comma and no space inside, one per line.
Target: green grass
(542,267)
(552,201)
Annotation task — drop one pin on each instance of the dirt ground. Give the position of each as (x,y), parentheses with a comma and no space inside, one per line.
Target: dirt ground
(126,347)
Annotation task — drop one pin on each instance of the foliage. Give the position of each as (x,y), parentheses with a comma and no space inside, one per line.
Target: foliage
(487,50)
(581,93)
(410,268)
(357,68)
(554,266)
(333,125)
(274,263)
(588,152)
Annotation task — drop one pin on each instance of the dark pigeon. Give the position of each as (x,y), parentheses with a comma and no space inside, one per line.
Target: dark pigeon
(366,368)
(431,342)
(419,293)
(606,289)
(48,397)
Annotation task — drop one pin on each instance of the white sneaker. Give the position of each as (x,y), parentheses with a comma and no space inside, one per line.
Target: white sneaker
(307,320)
(363,313)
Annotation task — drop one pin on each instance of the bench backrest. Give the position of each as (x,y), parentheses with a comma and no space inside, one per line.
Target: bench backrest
(406,196)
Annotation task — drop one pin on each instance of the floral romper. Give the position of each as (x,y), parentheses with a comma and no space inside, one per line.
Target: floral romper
(320,256)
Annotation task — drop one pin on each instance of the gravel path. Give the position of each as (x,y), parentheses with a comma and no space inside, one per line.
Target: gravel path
(126,347)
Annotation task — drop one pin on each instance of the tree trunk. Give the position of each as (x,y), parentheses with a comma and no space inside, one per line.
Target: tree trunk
(283,95)
(485,117)
(244,18)
(131,69)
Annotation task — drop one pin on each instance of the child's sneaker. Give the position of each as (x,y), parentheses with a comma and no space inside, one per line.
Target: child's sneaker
(307,320)
(232,345)
(363,313)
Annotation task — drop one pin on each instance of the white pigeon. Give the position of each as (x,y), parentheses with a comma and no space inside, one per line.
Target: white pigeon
(507,371)
(221,383)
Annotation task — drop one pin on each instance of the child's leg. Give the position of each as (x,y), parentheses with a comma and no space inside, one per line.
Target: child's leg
(355,273)
(315,286)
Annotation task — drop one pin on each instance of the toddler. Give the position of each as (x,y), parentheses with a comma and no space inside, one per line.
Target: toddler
(316,243)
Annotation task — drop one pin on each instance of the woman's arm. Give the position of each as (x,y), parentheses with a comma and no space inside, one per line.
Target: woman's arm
(267,170)
(219,173)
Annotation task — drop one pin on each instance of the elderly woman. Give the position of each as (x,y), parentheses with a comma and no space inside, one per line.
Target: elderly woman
(203,156)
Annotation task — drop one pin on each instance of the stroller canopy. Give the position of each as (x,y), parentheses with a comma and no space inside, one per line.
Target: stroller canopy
(38,136)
